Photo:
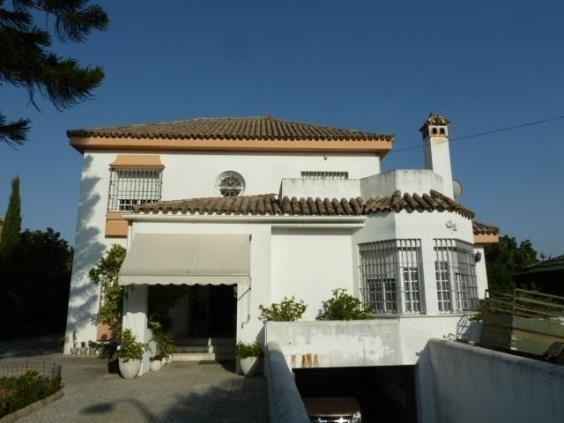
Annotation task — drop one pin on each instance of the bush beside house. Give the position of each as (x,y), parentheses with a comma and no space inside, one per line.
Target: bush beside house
(288,310)
(343,306)
(17,392)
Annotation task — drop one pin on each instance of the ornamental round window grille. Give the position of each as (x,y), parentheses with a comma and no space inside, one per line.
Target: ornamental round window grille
(230,184)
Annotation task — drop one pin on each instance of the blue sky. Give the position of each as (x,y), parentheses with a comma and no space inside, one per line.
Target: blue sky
(375,66)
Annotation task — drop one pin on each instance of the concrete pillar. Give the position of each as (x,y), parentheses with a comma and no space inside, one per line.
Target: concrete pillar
(429,278)
(481,272)
(135,317)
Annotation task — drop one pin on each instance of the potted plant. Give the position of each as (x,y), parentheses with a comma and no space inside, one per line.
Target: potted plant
(165,342)
(129,354)
(156,363)
(248,356)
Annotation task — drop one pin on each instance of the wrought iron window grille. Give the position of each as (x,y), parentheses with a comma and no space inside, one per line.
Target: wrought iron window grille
(131,187)
(392,276)
(455,272)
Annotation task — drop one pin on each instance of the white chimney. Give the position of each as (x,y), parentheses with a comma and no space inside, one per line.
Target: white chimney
(437,151)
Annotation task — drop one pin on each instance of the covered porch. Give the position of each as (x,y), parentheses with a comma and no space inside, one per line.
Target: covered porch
(193,285)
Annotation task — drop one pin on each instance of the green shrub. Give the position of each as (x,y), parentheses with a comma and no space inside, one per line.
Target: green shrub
(129,349)
(248,350)
(343,306)
(17,392)
(164,340)
(288,310)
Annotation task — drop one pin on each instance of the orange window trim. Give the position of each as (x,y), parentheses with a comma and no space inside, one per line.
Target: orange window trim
(116,225)
(136,161)
(486,239)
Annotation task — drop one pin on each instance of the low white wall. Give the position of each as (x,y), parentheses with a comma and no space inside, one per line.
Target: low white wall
(322,188)
(405,180)
(467,384)
(378,342)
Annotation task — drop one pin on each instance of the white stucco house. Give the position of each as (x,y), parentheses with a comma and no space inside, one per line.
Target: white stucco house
(245,211)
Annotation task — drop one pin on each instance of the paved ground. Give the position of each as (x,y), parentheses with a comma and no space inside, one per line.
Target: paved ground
(180,392)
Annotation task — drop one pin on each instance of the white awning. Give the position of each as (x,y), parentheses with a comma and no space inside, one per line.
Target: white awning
(172,259)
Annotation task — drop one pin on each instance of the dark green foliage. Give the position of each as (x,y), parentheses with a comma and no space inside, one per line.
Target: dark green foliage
(505,259)
(26,61)
(343,306)
(106,274)
(288,310)
(35,279)
(12,221)
(161,299)
(165,341)
(129,348)
(248,350)
(17,392)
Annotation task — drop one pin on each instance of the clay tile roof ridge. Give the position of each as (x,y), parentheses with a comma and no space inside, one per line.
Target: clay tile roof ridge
(261,127)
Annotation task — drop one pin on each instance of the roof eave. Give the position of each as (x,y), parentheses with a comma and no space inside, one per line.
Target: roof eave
(379,147)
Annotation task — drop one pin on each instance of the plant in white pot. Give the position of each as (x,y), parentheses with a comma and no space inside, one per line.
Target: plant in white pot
(156,363)
(248,356)
(129,354)
(165,342)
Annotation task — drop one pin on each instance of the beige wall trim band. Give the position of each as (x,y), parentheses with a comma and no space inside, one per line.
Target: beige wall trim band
(91,143)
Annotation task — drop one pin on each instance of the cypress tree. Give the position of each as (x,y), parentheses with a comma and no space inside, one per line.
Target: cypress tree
(12,221)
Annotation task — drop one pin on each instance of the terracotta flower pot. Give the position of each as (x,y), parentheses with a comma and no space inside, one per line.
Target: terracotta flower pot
(129,369)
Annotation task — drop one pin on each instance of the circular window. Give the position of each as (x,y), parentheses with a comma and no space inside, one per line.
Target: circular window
(230,184)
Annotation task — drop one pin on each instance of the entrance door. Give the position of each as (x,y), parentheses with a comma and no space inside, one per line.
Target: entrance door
(212,311)
(223,310)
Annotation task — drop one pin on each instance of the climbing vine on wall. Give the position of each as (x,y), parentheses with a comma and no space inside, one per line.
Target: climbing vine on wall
(105,274)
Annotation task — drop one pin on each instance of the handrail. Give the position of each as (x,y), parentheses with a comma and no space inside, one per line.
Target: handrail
(525,303)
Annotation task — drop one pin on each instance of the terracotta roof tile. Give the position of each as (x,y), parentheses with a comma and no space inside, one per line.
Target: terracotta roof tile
(269,204)
(484,229)
(436,120)
(263,128)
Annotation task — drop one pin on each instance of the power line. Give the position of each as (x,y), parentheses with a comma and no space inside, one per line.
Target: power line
(493,131)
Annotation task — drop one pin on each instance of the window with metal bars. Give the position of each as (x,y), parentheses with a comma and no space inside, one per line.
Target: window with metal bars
(314,174)
(391,276)
(455,272)
(130,187)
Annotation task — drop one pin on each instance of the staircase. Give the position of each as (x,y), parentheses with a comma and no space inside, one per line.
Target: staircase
(205,349)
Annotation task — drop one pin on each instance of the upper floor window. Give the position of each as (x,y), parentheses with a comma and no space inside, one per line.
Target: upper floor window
(455,271)
(130,187)
(392,276)
(230,184)
(314,174)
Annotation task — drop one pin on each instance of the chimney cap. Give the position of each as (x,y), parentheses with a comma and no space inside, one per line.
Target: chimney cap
(436,120)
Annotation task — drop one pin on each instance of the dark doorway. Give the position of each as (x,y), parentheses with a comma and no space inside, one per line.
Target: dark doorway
(212,311)
(223,310)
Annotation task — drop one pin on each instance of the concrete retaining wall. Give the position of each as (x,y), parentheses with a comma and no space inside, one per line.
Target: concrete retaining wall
(467,384)
(378,342)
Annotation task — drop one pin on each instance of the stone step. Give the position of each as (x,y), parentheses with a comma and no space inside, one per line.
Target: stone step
(196,357)
(205,341)
(206,349)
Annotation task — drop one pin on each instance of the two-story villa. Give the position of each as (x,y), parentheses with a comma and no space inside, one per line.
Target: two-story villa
(245,211)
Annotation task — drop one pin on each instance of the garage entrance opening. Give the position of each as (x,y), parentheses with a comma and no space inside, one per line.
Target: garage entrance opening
(385,393)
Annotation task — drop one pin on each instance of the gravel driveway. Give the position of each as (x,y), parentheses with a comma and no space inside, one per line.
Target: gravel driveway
(180,392)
